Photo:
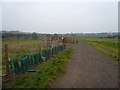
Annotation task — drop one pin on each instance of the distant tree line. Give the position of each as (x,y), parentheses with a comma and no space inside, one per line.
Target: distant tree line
(18,35)
(34,35)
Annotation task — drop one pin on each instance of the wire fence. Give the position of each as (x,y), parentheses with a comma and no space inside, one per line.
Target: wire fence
(17,66)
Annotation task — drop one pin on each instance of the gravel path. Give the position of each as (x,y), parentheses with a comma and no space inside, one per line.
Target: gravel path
(89,69)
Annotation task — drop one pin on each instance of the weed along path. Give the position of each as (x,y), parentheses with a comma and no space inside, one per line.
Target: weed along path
(89,69)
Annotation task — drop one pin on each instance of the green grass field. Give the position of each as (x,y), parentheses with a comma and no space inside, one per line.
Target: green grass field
(44,78)
(109,49)
(104,40)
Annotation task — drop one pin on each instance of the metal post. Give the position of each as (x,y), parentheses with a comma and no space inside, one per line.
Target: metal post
(6,57)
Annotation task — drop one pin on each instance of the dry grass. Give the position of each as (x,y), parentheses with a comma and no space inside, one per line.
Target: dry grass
(19,48)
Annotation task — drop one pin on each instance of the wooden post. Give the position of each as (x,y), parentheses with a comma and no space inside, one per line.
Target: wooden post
(39,48)
(6,57)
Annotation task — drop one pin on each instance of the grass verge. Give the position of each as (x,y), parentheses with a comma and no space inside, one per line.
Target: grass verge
(108,49)
(45,77)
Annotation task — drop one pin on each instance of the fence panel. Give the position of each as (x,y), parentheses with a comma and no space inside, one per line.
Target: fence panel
(23,64)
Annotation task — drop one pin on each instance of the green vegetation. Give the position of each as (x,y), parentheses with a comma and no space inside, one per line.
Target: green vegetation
(87,37)
(98,38)
(107,39)
(45,77)
(109,49)
(104,39)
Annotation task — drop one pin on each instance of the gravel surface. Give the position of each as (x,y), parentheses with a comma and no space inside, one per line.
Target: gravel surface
(89,69)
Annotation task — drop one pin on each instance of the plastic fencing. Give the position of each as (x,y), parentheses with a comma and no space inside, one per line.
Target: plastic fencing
(17,66)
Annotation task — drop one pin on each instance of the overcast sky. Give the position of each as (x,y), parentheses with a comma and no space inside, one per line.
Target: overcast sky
(60,17)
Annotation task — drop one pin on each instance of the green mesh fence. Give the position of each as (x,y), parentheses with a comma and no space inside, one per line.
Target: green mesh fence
(17,66)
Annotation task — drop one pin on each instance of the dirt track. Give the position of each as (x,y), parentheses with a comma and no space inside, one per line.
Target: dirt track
(89,69)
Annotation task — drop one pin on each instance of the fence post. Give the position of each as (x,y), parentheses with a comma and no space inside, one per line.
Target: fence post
(6,57)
